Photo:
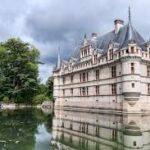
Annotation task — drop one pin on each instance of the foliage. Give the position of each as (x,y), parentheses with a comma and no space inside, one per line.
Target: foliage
(19,74)
(39,99)
(49,85)
(6,99)
(18,71)
(44,92)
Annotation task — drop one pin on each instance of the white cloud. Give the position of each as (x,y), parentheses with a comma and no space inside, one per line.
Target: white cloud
(44,72)
(49,24)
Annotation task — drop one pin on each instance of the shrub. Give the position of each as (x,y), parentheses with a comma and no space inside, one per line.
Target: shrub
(39,99)
(6,99)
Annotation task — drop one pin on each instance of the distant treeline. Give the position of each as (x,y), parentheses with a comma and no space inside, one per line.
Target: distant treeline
(19,81)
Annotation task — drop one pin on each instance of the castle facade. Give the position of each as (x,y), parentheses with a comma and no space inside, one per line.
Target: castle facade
(109,73)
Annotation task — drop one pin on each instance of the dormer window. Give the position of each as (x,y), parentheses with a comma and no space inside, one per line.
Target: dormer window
(132,50)
(95,58)
(82,54)
(127,51)
(85,52)
(110,54)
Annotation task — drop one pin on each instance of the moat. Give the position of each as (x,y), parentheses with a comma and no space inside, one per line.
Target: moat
(25,129)
(32,129)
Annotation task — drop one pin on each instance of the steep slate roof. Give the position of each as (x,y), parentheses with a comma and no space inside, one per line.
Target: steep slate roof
(126,34)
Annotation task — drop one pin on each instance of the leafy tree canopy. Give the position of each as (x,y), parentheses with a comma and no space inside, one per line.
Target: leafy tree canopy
(18,71)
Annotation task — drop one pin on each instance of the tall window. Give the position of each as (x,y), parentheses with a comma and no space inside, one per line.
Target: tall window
(80,91)
(63,92)
(111,54)
(87,76)
(83,77)
(84,91)
(71,91)
(114,90)
(97,90)
(113,71)
(97,74)
(71,78)
(114,135)
(132,68)
(148,71)
(64,80)
(87,91)
(80,77)
(149,89)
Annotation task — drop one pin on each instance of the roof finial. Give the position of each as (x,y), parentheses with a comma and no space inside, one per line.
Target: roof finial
(58,58)
(129,9)
(85,40)
(85,36)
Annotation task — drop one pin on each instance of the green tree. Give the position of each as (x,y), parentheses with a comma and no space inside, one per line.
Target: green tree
(18,70)
(44,92)
(49,85)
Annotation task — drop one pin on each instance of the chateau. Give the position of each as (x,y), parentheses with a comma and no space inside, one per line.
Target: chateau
(109,73)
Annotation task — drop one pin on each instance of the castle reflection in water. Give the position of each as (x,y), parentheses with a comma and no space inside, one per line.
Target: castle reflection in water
(87,131)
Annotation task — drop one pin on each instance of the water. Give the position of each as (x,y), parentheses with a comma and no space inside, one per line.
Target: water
(87,131)
(25,130)
(34,130)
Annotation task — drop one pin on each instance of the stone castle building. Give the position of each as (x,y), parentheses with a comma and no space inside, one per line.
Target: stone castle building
(108,73)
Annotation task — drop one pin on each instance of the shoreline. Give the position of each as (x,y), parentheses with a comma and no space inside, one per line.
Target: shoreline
(101,111)
(46,106)
(13,106)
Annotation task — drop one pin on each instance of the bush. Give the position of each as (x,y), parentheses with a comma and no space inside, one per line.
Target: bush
(39,99)
(6,99)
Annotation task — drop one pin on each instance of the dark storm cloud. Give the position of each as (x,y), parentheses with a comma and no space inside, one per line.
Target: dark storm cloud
(61,24)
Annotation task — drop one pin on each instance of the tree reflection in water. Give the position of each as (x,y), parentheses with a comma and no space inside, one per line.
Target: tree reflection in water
(42,138)
(19,128)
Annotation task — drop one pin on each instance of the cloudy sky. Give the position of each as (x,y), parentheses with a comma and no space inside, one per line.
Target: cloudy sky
(54,24)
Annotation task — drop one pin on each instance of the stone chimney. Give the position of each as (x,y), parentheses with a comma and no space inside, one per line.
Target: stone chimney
(118,24)
(94,35)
